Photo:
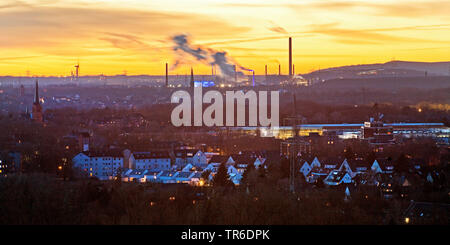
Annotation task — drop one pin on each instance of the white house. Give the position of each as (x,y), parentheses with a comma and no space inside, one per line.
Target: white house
(317,173)
(221,159)
(187,168)
(382,166)
(190,156)
(102,164)
(305,169)
(213,167)
(136,175)
(153,161)
(183,177)
(337,177)
(331,163)
(236,178)
(345,166)
(166,177)
(315,163)
(232,170)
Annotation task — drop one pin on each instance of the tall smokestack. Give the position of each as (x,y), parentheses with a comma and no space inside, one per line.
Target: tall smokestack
(290,56)
(266,71)
(279,69)
(192,78)
(235,74)
(253,79)
(167,75)
(212,73)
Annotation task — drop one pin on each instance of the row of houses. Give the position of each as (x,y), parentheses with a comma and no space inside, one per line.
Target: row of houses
(337,171)
(165,177)
(187,166)
(163,166)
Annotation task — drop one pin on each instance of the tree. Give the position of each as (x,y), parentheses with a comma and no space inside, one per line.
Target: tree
(245,175)
(319,183)
(261,172)
(348,153)
(284,167)
(205,175)
(401,165)
(222,178)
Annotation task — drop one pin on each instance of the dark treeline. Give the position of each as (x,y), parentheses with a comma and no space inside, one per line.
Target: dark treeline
(261,199)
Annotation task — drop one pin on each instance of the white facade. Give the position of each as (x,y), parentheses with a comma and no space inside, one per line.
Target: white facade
(196,158)
(346,167)
(305,169)
(103,166)
(337,177)
(315,163)
(150,161)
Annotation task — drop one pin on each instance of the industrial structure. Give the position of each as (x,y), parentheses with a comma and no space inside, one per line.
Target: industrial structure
(192,78)
(167,75)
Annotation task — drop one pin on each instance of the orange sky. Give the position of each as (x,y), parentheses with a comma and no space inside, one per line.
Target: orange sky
(48,37)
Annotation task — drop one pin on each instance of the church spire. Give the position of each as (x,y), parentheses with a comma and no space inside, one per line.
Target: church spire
(36,113)
(36,93)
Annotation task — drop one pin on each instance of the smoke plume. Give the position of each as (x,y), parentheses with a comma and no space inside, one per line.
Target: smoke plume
(182,46)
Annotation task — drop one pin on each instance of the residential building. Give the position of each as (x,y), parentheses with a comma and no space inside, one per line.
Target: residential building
(153,161)
(101,164)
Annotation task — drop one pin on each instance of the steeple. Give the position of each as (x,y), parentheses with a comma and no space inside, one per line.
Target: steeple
(36,114)
(36,94)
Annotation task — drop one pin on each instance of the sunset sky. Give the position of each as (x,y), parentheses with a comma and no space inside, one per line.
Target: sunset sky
(48,37)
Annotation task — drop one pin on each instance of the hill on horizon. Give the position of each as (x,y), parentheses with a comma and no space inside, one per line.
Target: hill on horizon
(388,69)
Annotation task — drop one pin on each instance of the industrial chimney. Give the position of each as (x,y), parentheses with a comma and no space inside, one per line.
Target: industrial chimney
(192,78)
(253,79)
(290,56)
(167,75)
(235,74)
(279,70)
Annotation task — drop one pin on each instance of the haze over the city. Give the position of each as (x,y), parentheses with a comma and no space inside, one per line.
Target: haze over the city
(49,37)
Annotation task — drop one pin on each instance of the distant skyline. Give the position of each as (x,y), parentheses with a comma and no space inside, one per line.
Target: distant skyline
(49,37)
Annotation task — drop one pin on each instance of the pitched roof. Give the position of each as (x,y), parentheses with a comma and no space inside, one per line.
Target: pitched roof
(243,159)
(105,153)
(184,174)
(197,175)
(218,159)
(331,161)
(151,155)
(358,163)
(167,173)
(137,172)
(336,176)
(152,173)
(322,171)
(185,153)
(384,162)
